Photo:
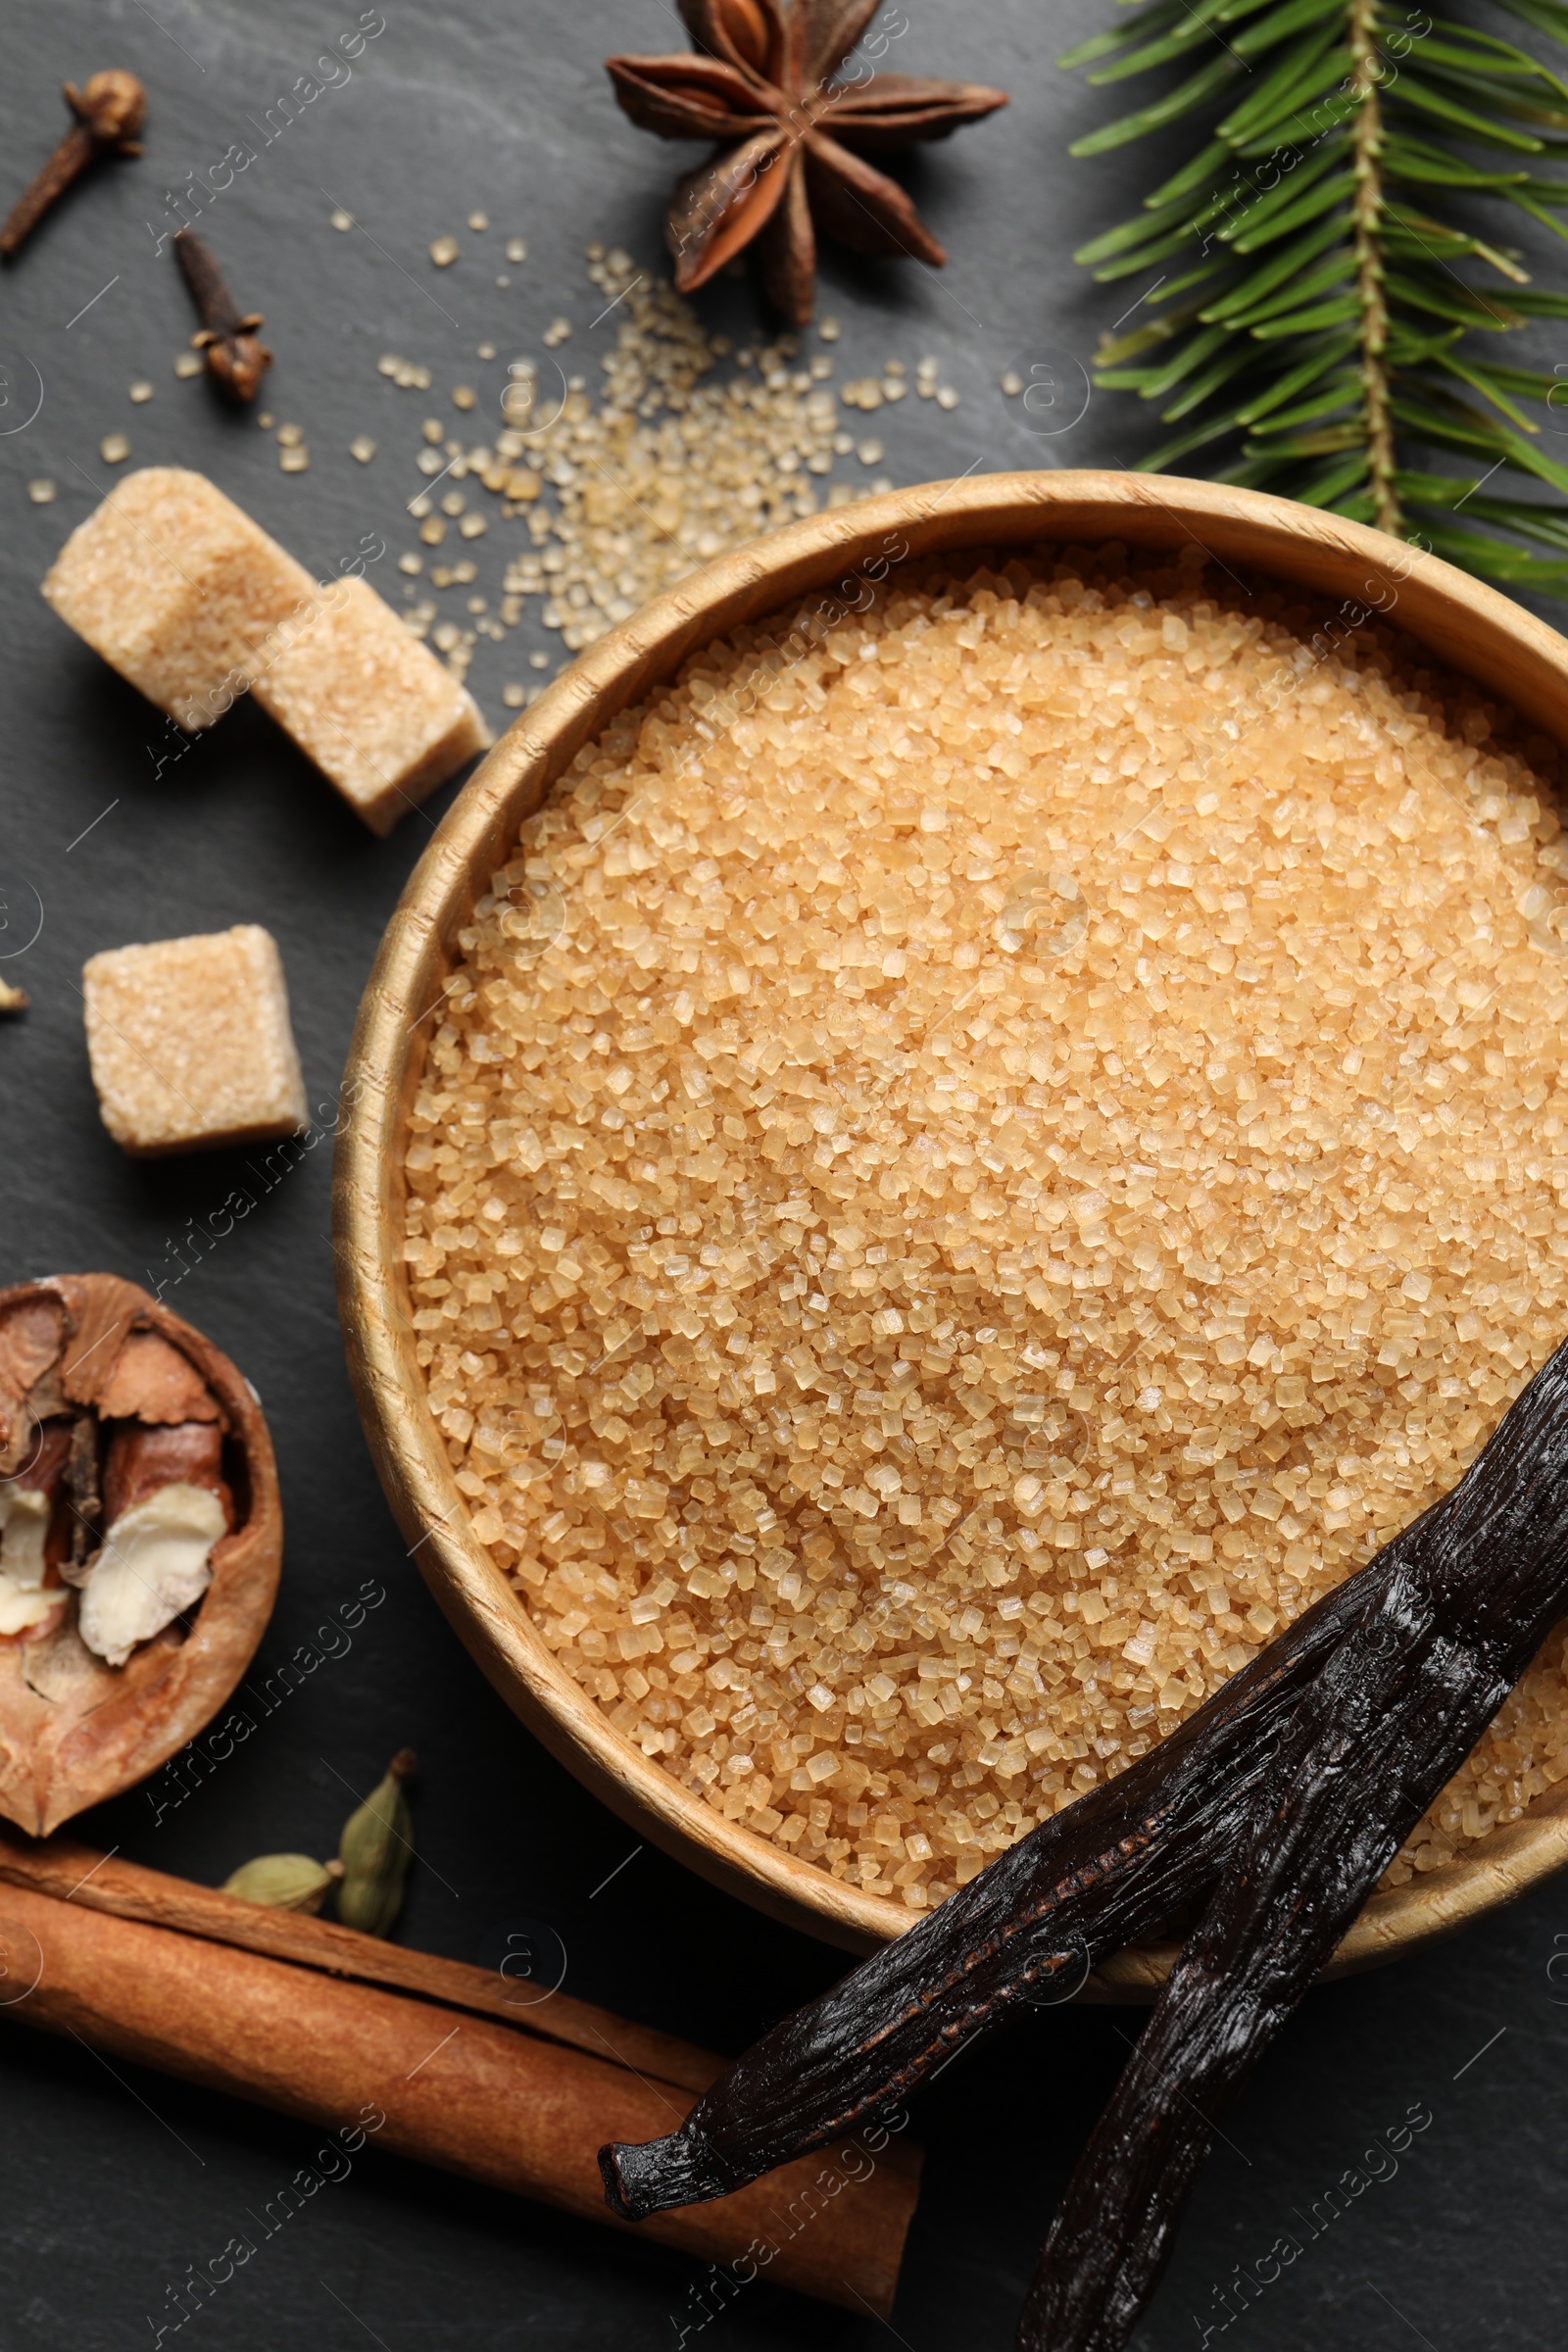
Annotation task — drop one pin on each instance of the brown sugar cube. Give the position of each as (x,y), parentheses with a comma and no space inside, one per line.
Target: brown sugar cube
(190,1043)
(371,706)
(194,604)
(177,588)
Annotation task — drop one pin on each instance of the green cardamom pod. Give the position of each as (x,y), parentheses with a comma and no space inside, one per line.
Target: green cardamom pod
(284,1881)
(376,1850)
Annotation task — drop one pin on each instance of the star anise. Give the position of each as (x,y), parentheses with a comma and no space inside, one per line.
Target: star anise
(788,161)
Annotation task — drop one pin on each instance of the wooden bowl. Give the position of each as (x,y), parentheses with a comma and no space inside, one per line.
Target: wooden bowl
(1353,570)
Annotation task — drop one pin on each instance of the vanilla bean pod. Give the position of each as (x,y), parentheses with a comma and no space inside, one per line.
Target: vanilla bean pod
(1127,1860)
(1391,1717)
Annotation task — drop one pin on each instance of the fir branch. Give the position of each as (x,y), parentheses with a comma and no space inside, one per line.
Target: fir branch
(1325,318)
(1366,211)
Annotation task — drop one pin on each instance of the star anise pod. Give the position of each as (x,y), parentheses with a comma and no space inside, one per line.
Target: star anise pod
(791,139)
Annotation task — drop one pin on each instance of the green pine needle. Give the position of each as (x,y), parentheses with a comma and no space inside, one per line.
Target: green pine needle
(1323,326)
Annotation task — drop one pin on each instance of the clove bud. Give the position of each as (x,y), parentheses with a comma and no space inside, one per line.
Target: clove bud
(109,113)
(283,1882)
(376,1850)
(235,360)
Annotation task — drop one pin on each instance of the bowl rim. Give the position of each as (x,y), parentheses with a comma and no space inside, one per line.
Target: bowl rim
(1508,651)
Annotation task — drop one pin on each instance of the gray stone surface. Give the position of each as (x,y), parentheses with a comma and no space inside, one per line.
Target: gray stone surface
(114,2181)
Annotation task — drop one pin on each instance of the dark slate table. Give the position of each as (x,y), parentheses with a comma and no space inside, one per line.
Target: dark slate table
(114,2182)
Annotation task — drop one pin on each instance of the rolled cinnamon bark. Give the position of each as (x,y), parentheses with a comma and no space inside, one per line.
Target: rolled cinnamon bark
(58,1867)
(455,2089)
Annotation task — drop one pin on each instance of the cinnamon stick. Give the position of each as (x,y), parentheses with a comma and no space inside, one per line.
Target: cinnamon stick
(456,2089)
(58,1867)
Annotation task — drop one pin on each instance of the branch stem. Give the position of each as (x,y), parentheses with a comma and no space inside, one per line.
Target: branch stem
(1366,212)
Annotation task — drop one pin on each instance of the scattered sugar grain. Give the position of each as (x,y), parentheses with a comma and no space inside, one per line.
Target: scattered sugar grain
(669,467)
(407,374)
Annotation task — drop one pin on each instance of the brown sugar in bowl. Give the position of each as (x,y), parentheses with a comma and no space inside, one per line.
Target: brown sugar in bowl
(1343,570)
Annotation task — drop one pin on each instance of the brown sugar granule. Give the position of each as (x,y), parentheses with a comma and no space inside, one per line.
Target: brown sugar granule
(611,489)
(970,1174)
(674,465)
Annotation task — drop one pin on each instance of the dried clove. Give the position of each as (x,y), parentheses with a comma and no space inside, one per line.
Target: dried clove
(235,362)
(109,113)
(376,1850)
